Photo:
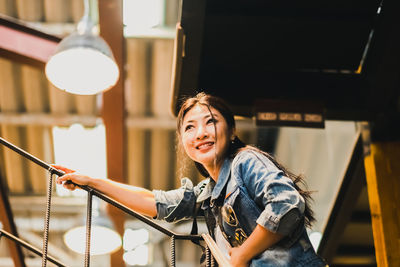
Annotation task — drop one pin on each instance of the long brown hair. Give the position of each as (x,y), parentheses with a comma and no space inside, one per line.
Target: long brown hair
(237,145)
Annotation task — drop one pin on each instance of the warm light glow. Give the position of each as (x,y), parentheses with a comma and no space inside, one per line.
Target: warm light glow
(139,256)
(82,149)
(103,240)
(135,238)
(140,15)
(82,70)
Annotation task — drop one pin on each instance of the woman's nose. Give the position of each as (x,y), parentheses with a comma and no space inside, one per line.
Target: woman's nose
(201,133)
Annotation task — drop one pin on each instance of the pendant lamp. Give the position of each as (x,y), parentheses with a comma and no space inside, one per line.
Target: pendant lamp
(104,238)
(83,62)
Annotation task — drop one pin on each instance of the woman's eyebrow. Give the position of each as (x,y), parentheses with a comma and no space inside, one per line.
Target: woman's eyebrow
(213,115)
(205,117)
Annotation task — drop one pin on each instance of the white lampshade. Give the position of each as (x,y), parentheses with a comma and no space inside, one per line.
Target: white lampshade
(82,64)
(104,239)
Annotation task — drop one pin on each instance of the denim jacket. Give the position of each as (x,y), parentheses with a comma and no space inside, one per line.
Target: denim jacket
(259,193)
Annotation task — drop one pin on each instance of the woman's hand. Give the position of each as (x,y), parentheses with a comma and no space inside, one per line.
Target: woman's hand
(72,176)
(238,258)
(259,240)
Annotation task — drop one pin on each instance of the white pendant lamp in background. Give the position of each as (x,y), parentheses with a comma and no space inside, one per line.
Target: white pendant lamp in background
(83,62)
(103,239)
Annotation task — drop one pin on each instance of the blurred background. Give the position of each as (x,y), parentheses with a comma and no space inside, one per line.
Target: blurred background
(67,129)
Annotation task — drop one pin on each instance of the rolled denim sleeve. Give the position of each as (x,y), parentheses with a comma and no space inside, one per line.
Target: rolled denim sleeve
(282,206)
(178,204)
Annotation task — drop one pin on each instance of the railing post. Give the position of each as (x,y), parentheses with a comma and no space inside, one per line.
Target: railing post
(173,256)
(47,217)
(215,251)
(88,227)
(208,257)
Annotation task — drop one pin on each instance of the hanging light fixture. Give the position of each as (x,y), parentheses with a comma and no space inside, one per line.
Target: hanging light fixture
(104,238)
(83,62)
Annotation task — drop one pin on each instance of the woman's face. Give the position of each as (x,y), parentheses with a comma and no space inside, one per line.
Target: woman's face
(198,136)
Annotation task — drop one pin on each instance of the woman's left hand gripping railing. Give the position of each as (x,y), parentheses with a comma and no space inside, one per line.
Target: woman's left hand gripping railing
(91,192)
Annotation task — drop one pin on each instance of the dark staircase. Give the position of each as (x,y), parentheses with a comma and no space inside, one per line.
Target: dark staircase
(347,239)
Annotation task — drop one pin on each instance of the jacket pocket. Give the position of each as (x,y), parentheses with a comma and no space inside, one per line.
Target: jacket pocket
(245,212)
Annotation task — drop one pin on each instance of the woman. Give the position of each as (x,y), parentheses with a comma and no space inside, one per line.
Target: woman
(254,208)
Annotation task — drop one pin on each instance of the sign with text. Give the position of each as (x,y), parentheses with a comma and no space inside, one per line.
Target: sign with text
(289,113)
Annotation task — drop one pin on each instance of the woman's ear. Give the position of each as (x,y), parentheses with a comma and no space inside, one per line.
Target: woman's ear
(233,134)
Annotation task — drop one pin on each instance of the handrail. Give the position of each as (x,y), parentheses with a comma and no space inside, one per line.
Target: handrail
(29,247)
(217,253)
(91,191)
(100,194)
(139,216)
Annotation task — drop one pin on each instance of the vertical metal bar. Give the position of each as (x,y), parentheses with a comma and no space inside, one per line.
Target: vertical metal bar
(208,257)
(173,258)
(47,219)
(88,227)
(215,252)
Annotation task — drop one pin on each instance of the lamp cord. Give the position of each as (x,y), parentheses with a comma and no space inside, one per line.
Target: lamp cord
(47,218)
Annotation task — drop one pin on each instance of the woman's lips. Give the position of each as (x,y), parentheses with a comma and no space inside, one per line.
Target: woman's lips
(204,145)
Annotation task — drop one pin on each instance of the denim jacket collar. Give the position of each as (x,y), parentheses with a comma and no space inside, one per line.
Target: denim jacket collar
(212,190)
(223,178)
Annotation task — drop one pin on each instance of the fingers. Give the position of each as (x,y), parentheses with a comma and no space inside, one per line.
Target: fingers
(66,177)
(69,186)
(63,178)
(67,181)
(62,168)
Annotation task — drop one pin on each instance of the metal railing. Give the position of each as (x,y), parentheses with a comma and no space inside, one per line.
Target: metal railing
(29,247)
(211,246)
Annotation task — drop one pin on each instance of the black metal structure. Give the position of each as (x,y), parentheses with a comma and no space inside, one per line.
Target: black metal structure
(338,59)
(341,55)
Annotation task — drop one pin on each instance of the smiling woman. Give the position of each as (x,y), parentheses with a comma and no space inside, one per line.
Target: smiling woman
(199,134)
(254,208)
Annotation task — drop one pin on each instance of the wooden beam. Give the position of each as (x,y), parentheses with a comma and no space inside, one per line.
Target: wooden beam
(24,44)
(46,119)
(382,172)
(113,113)
(6,217)
(382,138)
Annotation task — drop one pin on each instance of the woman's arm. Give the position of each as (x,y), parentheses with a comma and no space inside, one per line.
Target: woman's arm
(138,199)
(259,240)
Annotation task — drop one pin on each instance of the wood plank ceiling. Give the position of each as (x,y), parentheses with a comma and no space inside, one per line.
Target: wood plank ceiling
(30,106)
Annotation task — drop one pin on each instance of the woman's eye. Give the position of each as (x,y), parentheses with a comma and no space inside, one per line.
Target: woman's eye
(211,121)
(188,127)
